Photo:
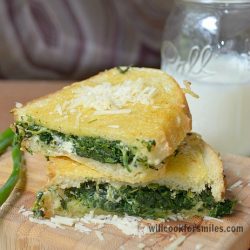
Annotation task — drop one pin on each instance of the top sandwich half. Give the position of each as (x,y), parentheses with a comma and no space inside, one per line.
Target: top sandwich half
(123,117)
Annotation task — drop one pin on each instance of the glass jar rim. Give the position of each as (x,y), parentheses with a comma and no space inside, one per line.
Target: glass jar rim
(217,1)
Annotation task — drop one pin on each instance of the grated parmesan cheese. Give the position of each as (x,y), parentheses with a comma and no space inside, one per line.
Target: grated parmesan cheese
(107,96)
(45,222)
(172,217)
(19,105)
(27,213)
(64,220)
(176,243)
(235,185)
(141,245)
(129,225)
(58,109)
(173,237)
(72,111)
(113,126)
(112,112)
(21,209)
(81,228)
(99,235)
(211,218)
(187,89)
(198,246)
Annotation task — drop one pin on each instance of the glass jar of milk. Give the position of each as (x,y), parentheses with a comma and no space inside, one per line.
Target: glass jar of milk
(208,43)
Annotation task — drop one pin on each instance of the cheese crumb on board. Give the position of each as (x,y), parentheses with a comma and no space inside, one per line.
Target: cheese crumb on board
(129,225)
(235,185)
(27,213)
(141,245)
(198,246)
(45,222)
(211,218)
(176,243)
(64,220)
(21,209)
(99,235)
(81,228)
(173,237)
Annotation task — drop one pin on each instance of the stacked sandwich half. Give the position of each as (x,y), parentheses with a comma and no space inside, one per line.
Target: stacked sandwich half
(120,143)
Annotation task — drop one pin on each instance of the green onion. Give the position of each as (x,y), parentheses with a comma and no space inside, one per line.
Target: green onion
(9,185)
(6,139)
(123,70)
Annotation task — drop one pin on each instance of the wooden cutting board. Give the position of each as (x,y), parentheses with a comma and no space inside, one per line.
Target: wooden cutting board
(17,232)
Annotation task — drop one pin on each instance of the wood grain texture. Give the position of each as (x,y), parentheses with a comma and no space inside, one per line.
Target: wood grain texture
(12,91)
(17,232)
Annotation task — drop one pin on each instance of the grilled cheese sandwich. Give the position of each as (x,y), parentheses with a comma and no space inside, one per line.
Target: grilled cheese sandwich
(120,142)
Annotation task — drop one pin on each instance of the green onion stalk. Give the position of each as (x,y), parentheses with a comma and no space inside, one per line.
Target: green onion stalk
(7,138)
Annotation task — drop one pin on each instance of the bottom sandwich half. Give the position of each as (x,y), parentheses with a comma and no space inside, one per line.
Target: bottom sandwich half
(191,183)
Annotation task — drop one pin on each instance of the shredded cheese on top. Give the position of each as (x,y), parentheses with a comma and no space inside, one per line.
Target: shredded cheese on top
(112,112)
(58,109)
(112,97)
(113,126)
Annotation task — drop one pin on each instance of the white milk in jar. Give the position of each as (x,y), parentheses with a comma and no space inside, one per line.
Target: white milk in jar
(207,42)
(221,114)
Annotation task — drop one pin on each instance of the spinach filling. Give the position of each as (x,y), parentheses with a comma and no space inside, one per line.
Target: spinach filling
(96,148)
(152,201)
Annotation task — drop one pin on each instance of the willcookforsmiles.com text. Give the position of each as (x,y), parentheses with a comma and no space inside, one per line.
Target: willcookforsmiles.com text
(186,228)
